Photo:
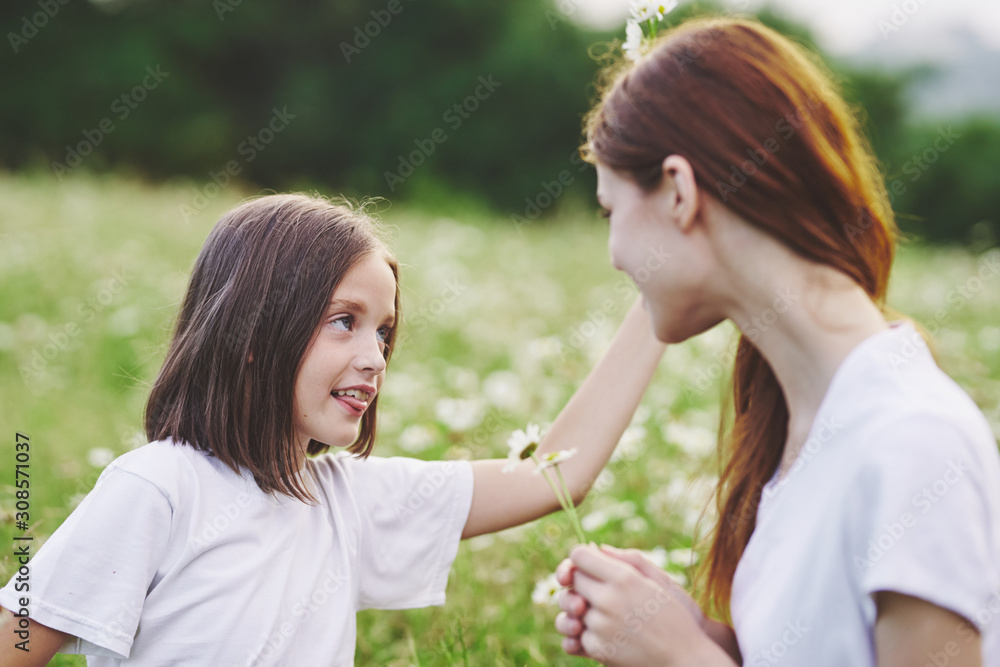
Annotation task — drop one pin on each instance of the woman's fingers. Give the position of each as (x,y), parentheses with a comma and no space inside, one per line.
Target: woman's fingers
(572,646)
(564,573)
(568,626)
(645,566)
(572,603)
(590,590)
(597,564)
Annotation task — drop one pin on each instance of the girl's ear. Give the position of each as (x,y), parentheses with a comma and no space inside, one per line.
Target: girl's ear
(682,198)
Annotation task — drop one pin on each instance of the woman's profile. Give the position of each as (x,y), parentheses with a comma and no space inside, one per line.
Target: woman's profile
(859,497)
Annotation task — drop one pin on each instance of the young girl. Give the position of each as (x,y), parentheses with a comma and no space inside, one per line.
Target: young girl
(233,538)
(859,499)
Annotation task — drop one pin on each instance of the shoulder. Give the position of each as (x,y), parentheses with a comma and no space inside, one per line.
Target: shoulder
(171,467)
(379,476)
(898,402)
(350,467)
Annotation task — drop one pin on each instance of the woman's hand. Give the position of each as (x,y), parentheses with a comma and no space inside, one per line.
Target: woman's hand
(623,610)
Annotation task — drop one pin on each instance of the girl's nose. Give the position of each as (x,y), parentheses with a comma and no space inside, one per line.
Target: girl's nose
(370,357)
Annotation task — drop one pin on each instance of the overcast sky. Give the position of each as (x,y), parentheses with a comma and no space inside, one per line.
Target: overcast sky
(845,27)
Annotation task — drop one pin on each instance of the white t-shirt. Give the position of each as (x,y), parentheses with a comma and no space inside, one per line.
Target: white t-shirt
(897,489)
(174,558)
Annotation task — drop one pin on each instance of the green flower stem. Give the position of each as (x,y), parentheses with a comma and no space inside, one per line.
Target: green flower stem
(573,515)
(552,484)
(564,498)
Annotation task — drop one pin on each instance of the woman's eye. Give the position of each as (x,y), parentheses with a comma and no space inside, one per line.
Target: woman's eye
(384,333)
(605,213)
(342,323)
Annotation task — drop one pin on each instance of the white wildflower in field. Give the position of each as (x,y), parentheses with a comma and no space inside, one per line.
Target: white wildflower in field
(124,322)
(504,576)
(658,555)
(459,414)
(680,578)
(546,591)
(989,338)
(595,520)
(604,480)
(695,440)
(503,389)
(640,416)
(416,438)
(541,349)
(462,380)
(481,542)
(100,457)
(681,557)
(618,511)
(635,524)
(631,444)
(135,439)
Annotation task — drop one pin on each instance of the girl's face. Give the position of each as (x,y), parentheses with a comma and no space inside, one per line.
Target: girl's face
(344,366)
(659,239)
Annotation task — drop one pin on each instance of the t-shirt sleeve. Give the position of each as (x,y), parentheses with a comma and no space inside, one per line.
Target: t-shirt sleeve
(412,515)
(927,524)
(91,577)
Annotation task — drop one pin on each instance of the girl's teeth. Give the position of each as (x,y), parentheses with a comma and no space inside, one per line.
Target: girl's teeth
(353,392)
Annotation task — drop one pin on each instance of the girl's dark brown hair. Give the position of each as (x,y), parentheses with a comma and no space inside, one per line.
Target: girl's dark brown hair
(768,134)
(257,294)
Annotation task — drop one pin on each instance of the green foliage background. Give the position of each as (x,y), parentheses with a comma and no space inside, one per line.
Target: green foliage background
(485,306)
(361,102)
(132,209)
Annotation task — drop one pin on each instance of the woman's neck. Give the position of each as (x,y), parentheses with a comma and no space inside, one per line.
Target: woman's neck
(804,319)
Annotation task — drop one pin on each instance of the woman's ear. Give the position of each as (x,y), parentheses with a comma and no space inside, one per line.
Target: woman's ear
(682,198)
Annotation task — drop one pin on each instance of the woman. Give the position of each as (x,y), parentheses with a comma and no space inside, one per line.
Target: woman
(859,498)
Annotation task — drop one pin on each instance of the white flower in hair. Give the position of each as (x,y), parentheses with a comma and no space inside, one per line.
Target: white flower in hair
(633,41)
(644,12)
(647,10)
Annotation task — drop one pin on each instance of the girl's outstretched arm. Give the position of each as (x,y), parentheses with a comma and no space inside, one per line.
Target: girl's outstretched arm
(593,421)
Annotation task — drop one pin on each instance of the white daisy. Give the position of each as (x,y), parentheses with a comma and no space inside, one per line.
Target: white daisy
(459,414)
(633,41)
(546,591)
(416,438)
(521,445)
(646,10)
(100,457)
(554,458)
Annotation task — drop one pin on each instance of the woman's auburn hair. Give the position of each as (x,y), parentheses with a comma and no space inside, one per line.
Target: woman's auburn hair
(769,135)
(257,294)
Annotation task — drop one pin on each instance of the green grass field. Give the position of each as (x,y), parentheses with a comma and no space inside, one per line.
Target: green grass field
(502,325)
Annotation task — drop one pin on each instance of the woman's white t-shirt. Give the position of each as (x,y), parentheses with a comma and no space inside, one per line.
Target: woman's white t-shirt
(174,558)
(896,489)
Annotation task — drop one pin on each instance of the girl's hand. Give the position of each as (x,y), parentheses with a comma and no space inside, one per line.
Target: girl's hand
(623,610)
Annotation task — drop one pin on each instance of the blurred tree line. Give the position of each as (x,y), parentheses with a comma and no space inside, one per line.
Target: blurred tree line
(419,100)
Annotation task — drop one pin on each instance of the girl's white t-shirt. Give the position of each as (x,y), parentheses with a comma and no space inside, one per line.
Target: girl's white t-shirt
(173,558)
(896,489)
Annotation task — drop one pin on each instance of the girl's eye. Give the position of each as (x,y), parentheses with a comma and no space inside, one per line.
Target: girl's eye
(605,213)
(384,333)
(342,323)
